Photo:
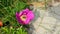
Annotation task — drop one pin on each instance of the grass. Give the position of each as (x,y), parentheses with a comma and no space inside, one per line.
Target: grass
(8,8)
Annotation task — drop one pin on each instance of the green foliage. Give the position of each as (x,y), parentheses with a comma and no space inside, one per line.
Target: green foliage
(8,8)
(11,30)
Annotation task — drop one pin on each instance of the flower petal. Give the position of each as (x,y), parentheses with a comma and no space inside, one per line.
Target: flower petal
(30,15)
(18,18)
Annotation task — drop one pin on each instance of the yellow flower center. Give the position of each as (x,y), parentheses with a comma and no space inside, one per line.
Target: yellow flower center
(23,17)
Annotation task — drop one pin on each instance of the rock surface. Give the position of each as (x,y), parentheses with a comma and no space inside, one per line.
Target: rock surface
(46,21)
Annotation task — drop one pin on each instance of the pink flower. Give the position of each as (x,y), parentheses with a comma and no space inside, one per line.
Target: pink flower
(25,16)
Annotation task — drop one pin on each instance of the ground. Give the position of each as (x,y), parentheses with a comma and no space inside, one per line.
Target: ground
(46,21)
